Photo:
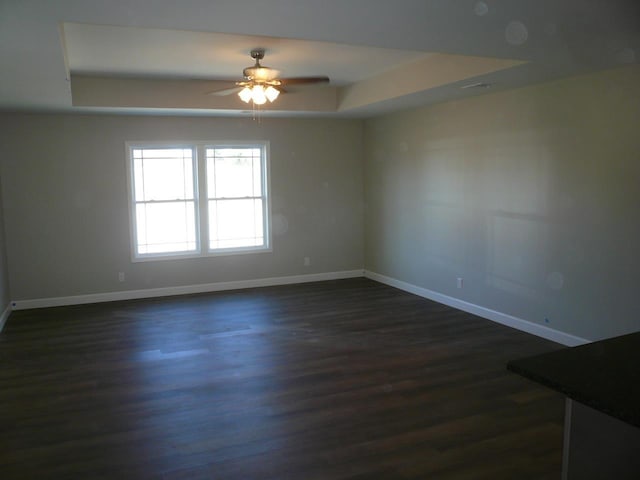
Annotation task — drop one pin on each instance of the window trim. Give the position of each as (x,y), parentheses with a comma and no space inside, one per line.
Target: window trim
(201,199)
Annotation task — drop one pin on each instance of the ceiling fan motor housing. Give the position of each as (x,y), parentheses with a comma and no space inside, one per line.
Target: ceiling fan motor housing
(259,73)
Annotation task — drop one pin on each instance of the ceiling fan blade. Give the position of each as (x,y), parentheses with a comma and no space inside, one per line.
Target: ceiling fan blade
(226,91)
(303,80)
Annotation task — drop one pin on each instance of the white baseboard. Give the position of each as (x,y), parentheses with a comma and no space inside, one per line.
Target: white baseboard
(499,317)
(502,318)
(181,290)
(5,316)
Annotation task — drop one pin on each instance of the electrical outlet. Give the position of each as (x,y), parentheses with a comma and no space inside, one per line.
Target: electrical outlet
(459,282)
(121,276)
(307,261)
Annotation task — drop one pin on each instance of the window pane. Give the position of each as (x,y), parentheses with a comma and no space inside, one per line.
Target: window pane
(234,172)
(235,223)
(163,174)
(257,177)
(166,227)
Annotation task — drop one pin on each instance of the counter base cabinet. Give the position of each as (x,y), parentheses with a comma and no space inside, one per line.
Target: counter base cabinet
(598,446)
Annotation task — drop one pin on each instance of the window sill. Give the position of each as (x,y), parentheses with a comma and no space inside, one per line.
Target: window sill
(192,255)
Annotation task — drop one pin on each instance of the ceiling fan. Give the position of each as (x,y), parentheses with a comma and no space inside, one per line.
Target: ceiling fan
(261,83)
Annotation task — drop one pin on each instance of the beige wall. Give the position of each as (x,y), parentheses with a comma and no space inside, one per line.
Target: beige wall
(66,213)
(531,195)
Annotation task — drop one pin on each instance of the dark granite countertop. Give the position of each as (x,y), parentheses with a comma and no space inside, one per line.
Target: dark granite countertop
(604,375)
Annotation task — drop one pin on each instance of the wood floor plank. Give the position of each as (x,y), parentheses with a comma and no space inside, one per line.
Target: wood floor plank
(346,379)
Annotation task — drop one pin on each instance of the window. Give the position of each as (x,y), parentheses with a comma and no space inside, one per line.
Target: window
(164,200)
(235,191)
(198,199)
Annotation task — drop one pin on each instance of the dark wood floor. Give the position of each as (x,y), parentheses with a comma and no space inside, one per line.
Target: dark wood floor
(331,380)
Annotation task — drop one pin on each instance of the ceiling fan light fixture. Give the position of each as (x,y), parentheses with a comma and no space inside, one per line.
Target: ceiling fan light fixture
(271,93)
(245,94)
(257,95)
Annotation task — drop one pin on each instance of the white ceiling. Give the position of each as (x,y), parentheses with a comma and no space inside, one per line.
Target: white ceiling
(355,42)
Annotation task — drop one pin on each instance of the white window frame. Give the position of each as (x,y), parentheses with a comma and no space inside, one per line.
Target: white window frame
(201,199)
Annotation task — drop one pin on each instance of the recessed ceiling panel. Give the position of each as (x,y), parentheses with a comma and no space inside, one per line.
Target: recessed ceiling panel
(149,52)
